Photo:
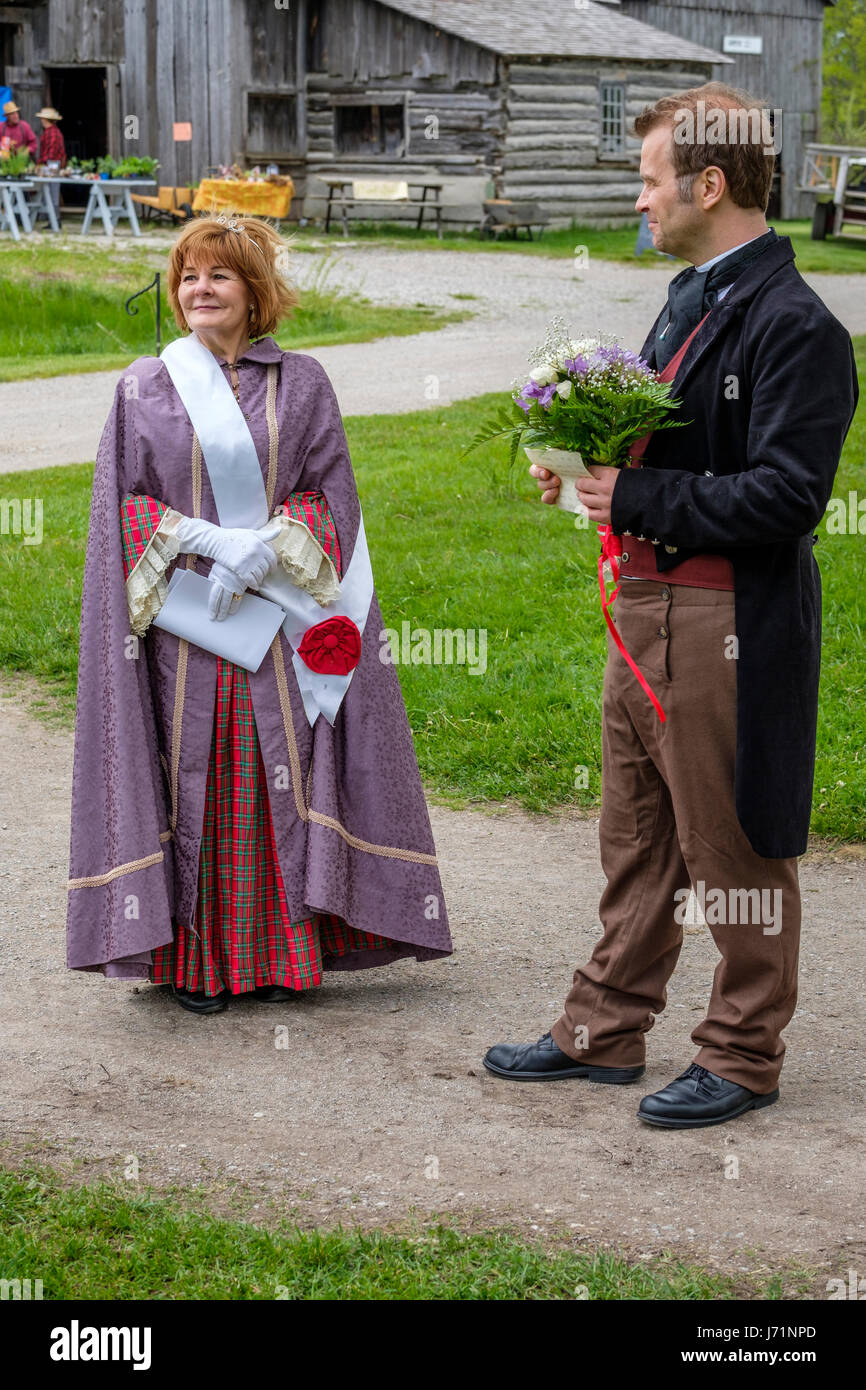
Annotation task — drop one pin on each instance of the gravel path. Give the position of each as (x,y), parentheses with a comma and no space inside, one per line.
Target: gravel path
(375,1105)
(514,298)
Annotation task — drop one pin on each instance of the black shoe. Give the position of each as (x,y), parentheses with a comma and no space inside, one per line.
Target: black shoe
(544,1061)
(275,994)
(200,1003)
(698,1098)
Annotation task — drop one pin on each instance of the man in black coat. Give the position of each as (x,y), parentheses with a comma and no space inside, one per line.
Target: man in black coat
(720,604)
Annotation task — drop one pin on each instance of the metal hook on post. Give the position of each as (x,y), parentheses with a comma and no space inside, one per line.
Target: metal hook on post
(130,310)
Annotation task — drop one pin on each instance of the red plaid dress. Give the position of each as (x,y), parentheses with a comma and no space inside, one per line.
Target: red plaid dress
(242,935)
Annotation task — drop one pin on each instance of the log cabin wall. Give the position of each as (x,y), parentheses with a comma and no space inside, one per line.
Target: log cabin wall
(786,74)
(552,148)
(389,93)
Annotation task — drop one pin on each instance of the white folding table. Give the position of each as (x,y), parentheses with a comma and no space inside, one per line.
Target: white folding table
(13,207)
(111,200)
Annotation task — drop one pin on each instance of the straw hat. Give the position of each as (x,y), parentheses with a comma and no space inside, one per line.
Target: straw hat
(9,107)
(49,114)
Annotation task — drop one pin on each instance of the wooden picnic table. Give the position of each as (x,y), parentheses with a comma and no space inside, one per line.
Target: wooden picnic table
(338,183)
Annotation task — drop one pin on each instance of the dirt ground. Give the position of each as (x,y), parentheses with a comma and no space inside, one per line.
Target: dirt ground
(366,1101)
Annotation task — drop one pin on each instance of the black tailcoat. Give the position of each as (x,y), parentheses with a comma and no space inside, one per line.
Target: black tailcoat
(769,385)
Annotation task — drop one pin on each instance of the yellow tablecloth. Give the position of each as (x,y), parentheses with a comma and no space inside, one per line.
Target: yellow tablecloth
(262,199)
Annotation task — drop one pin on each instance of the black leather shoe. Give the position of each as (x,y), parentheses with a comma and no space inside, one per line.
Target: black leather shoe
(544,1061)
(275,994)
(200,1003)
(698,1098)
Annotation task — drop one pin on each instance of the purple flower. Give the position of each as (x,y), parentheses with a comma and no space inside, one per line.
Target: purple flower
(543,394)
(577,366)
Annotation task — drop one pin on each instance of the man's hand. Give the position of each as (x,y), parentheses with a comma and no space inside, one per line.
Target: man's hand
(547,480)
(596,492)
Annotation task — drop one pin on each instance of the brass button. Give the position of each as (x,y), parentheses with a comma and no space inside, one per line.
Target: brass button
(666,593)
(663,632)
(624,557)
(671,549)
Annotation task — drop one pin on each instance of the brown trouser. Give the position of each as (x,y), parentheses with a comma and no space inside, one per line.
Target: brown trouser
(668,822)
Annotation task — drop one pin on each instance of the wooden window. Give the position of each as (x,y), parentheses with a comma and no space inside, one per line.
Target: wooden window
(370,129)
(272,123)
(612,109)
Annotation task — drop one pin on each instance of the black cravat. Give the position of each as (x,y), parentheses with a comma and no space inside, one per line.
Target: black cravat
(692,293)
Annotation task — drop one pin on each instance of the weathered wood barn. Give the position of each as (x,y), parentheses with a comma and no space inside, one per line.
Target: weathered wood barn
(536,105)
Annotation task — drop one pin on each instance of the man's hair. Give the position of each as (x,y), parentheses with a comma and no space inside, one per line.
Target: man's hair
(249,247)
(741,155)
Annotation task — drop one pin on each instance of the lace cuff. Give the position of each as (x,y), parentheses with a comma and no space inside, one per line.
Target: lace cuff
(146,584)
(303,559)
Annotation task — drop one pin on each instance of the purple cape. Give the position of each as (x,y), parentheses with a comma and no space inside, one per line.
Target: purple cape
(350,820)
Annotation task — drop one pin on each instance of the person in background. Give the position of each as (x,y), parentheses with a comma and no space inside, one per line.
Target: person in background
(51,146)
(52,149)
(16,130)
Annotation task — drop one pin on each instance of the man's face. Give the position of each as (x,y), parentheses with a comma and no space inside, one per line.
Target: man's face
(676,227)
(13,118)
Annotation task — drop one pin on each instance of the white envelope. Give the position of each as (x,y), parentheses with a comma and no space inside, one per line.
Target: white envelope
(243,637)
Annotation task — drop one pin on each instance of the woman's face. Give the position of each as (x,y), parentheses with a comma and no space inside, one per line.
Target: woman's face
(214,297)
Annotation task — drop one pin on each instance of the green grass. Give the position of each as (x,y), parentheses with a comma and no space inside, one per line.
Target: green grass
(107,1242)
(64,311)
(463,545)
(835,255)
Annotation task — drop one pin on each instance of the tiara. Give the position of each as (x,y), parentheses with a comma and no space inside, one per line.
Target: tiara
(281,258)
(232,225)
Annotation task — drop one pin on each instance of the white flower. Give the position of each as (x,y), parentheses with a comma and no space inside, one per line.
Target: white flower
(564,389)
(544,376)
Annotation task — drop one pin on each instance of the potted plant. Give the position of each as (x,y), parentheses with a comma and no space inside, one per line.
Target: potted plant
(136,167)
(14,163)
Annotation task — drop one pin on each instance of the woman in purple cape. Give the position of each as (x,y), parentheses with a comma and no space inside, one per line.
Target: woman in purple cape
(230,835)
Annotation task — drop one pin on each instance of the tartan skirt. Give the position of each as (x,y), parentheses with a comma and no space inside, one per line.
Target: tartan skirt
(242,935)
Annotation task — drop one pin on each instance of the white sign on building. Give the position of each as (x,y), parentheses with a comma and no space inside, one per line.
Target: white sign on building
(742,43)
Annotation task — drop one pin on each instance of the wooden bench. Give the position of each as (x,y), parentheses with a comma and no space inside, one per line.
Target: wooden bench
(504,214)
(369,190)
(169,205)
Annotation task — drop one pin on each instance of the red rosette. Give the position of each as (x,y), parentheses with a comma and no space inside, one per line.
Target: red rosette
(331,648)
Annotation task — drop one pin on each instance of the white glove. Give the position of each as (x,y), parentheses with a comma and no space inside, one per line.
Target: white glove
(225,586)
(237,548)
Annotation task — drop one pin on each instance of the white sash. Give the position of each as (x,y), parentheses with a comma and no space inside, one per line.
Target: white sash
(239,493)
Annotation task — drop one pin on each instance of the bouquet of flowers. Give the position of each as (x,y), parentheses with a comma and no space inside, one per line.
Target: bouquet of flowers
(586,402)
(585,396)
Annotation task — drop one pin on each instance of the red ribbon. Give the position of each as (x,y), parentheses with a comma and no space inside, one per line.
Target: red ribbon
(611,550)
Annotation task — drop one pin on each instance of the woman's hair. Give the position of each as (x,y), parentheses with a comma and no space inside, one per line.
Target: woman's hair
(742,153)
(249,247)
